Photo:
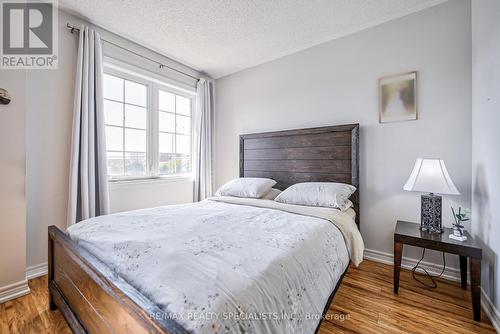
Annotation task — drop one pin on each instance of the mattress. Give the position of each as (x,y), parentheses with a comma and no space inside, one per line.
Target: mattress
(226,266)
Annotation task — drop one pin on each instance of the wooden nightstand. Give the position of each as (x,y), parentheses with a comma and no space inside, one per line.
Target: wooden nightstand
(407,233)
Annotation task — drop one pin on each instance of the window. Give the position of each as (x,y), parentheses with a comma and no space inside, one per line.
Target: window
(148,127)
(125,113)
(174,133)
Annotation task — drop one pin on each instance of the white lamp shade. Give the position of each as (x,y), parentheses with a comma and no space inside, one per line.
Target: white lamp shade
(431,176)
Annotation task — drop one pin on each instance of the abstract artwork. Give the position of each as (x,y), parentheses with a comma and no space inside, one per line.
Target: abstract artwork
(398,98)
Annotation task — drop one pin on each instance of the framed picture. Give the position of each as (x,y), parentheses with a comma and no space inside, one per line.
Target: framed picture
(398,98)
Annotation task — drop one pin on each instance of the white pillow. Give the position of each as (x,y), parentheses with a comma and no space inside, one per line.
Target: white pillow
(252,187)
(325,194)
(272,194)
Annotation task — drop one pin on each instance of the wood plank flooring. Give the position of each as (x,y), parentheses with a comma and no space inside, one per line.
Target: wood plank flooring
(363,304)
(367,301)
(31,314)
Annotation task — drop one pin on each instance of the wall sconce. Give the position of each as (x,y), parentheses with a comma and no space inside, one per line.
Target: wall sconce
(4,96)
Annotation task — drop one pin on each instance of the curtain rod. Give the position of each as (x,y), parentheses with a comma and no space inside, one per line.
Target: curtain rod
(76,29)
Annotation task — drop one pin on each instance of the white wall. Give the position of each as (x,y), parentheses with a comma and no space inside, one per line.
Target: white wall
(49,118)
(486,138)
(336,83)
(149,193)
(12,171)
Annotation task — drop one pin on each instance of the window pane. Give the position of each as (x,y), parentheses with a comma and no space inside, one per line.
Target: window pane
(135,163)
(166,143)
(183,105)
(135,140)
(183,124)
(115,163)
(183,165)
(166,163)
(183,144)
(135,117)
(113,113)
(166,101)
(114,138)
(167,122)
(135,93)
(113,88)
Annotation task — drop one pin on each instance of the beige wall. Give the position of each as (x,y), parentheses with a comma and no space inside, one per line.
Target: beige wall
(12,173)
(336,83)
(48,139)
(485,140)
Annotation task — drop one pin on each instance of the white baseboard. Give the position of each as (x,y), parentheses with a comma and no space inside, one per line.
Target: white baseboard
(14,290)
(452,274)
(21,288)
(490,310)
(433,268)
(36,271)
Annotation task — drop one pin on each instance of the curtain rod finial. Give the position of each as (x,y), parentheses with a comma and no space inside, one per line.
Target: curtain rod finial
(71,28)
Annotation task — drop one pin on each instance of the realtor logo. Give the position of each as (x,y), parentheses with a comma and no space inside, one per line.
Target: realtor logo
(29,34)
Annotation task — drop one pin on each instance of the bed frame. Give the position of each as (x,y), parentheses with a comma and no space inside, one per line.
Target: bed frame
(93,299)
(325,154)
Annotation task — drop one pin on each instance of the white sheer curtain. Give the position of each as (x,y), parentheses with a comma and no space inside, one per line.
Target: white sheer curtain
(203,139)
(88,186)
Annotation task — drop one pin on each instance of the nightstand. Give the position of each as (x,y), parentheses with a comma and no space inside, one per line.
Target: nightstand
(407,233)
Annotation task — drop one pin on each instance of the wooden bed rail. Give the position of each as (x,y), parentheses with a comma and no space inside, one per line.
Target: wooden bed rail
(94,299)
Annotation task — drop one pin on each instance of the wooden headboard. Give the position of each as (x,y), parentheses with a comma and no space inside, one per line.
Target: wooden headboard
(325,154)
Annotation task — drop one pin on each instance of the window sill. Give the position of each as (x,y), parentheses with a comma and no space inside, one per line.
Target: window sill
(151,180)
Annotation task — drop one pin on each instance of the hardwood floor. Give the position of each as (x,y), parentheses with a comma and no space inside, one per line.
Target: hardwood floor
(31,314)
(367,300)
(364,303)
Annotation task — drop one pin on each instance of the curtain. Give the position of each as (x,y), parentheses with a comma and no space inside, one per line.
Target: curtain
(203,139)
(88,186)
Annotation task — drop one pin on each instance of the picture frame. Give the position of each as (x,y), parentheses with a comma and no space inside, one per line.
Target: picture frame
(398,98)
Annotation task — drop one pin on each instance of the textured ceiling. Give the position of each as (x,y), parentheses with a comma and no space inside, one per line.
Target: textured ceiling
(221,37)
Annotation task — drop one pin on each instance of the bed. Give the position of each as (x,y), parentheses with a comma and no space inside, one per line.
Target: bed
(101,287)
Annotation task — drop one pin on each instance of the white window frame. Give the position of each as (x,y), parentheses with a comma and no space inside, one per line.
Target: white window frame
(154,83)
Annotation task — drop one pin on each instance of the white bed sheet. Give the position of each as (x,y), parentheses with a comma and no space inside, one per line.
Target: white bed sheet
(217,267)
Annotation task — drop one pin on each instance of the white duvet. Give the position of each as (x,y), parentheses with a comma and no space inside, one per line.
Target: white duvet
(229,265)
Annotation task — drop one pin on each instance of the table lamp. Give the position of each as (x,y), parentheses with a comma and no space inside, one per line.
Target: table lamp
(430,176)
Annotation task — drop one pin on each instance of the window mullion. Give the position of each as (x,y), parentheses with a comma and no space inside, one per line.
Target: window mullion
(123,130)
(152,128)
(154,147)
(149,131)
(175,135)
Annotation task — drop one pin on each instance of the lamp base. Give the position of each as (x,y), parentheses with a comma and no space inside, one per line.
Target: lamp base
(430,213)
